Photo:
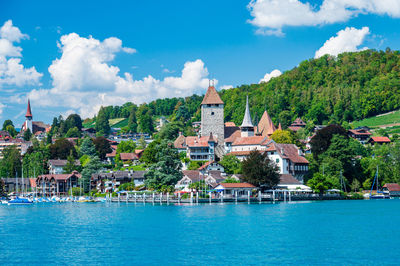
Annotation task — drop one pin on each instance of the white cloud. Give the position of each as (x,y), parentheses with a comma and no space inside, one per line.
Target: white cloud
(274,73)
(270,16)
(2,106)
(346,40)
(12,72)
(84,78)
(226,87)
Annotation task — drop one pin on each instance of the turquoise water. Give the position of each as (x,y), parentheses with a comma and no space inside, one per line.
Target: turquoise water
(325,233)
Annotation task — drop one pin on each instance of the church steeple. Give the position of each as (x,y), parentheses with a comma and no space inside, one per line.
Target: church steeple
(28,111)
(247,127)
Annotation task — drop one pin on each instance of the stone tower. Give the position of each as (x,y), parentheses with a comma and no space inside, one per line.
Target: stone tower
(28,116)
(212,115)
(247,128)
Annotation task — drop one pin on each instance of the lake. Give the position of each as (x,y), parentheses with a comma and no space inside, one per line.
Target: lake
(325,233)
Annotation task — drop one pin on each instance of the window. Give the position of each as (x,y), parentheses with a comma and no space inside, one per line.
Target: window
(208,105)
(212,113)
(277,160)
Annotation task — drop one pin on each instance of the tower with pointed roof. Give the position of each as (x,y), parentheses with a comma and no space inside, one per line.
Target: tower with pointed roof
(212,115)
(29,117)
(265,125)
(247,127)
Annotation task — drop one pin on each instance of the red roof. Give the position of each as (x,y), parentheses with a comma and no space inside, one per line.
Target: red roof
(294,128)
(128,156)
(194,141)
(237,185)
(360,132)
(298,122)
(380,139)
(204,166)
(61,177)
(212,97)
(265,126)
(392,186)
(179,143)
(289,151)
(28,110)
(253,140)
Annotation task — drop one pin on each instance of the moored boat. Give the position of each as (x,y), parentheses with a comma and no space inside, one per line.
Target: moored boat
(19,201)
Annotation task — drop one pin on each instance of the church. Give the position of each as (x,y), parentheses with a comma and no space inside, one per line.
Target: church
(218,138)
(35,127)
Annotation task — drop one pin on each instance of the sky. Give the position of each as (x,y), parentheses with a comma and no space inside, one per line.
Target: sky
(75,56)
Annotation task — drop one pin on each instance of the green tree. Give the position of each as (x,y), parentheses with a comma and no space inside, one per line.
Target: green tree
(87,147)
(230,180)
(355,185)
(283,136)
(285,118)
(231,164)
(11,130)
(102,124)
(259,170)
(10,165)
(102,146)
(132,123)
(27,134)
(92,167)
(322,139)
(141,145)
(73,120)
(61,149)
(6,123)
(171,130)
(150,153)
(167,169)
(73,133)
(71,164)
(319,183)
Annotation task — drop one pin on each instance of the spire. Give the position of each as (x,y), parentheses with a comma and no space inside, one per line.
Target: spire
(212,96)
(247,117)
(28,110)
(279,126)
(265,125)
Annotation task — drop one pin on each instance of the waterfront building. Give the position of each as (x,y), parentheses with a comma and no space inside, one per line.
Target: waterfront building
(232,189)
(103,182)
(211,179)
(57,184)
(13,184)
(57,166)
(392,188)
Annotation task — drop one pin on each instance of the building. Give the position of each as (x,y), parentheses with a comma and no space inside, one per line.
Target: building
(266,127)
(13,184)
(211,166)
(57,166)
(288,182)
(33,126)
(200,148)
(297,125)
(217,138)
(211,179)
(362,135)
(57,184)
(379,140)
(104,182)
(20,144)
(230,189)
(393,189)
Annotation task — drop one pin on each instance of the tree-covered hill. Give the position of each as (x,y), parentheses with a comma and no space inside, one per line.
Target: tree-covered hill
(351,86)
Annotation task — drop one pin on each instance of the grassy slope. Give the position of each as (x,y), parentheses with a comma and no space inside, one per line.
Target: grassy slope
(378,121)
(116,122)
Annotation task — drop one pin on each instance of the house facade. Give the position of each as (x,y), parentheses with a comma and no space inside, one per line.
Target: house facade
(57,184)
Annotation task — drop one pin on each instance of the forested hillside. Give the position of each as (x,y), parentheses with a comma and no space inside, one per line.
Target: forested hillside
(349,87)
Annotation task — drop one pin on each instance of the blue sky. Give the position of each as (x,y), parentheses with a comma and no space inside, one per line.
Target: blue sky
(168,48)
